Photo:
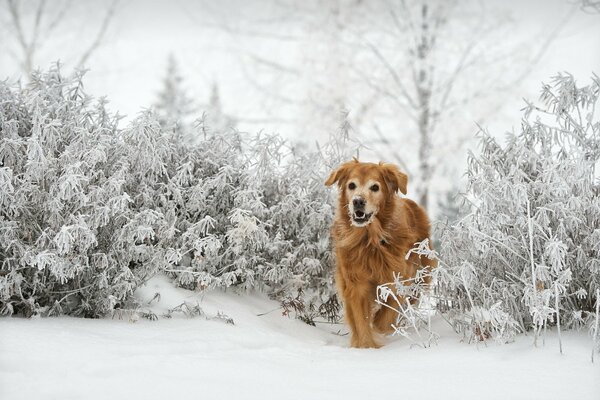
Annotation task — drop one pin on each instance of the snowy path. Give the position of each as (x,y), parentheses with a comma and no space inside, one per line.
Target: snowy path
(271,357)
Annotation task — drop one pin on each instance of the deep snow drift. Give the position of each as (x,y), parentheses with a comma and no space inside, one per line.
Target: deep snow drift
(271,357)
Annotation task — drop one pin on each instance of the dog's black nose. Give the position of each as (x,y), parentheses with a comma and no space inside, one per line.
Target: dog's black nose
(358,203)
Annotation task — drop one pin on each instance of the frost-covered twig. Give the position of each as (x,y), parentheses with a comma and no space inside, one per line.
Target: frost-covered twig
(534,284)
(596,335)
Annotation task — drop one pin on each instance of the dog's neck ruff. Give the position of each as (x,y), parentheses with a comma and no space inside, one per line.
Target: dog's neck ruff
(371,233)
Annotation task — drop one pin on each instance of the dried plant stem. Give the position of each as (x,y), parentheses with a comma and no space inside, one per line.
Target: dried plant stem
(597,328)
(533,280)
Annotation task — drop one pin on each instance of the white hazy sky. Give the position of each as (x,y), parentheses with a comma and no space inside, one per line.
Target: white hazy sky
(129,66)
(131,62)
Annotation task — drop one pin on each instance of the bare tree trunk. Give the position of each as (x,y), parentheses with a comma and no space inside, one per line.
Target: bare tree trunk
(423,84)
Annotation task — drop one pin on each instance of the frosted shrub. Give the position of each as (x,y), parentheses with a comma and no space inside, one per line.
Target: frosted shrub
(89,211)
(258,217)
(71,237)
(527,253)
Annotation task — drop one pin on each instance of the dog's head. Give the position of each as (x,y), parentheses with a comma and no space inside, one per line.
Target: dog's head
(366,188)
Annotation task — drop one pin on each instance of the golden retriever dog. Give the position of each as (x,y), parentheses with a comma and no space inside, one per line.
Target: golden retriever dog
(372,232)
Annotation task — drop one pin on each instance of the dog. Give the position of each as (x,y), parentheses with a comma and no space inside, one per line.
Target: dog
(372,232)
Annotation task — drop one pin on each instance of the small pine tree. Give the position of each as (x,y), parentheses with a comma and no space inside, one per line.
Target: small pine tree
(215,119)
(449,206)
(173,106)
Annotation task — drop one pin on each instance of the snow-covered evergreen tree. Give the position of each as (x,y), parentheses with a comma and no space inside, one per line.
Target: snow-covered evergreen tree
(450,205)
(215,119)
(174,107)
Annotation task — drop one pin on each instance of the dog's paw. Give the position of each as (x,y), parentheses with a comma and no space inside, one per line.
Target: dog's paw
(366,344)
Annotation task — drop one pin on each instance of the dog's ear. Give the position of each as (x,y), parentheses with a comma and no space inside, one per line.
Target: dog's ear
(341,174)
(394,178)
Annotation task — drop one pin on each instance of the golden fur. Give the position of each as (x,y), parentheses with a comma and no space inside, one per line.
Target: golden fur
(369,255)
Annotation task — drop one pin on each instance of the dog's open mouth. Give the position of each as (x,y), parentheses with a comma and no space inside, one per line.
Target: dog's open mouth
(360,218)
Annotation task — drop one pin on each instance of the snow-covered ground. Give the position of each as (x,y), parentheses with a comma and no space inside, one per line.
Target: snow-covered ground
(271,357)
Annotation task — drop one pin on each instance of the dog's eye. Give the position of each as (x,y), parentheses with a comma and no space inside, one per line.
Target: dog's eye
(352,186)
(375,188)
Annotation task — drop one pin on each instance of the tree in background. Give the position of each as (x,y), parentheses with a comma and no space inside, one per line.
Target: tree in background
(31,28)
(173,106)
(403,69)
(591,5)
(452,59)
(176,110)
(216,120)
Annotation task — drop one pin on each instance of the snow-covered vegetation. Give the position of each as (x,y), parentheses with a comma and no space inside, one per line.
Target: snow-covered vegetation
(178,230)
(526,254)
(90,211)
(528,250)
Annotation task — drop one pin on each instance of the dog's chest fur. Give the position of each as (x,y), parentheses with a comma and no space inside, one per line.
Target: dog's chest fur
(370,255)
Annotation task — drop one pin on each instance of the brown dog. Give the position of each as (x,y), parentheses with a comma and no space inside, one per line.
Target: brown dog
(372,232)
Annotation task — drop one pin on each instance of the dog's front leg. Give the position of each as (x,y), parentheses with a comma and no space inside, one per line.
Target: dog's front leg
(340,281)
(359,302)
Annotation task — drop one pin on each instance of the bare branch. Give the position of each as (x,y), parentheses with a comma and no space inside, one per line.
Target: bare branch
(99,36)
(590,6)
(362,111)
(222,22)
(392,96)
(18,24)
(60,15)
(272,64)
(389,146)
(41,30)
(477,37)
(36,25)
(393,73)
(544,47)
(264,90)
(408,19)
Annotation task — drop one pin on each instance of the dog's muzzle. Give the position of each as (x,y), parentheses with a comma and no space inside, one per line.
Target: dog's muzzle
(359,216)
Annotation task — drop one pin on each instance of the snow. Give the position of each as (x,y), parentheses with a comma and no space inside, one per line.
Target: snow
(271,357)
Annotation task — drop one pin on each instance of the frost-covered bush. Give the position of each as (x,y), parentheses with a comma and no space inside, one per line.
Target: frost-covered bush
(528,252)
(70,241)
(255,214)
(89,211)
(75,236)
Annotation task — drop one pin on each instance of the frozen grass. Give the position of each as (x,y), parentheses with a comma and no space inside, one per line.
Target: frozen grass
(271,357)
